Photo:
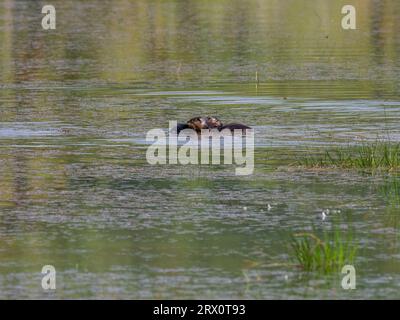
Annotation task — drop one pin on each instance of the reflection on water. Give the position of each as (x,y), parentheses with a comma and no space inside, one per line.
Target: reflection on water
(75,105)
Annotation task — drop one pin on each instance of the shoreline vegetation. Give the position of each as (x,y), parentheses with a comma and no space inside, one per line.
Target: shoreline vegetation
(369,156)
(327,254)
(336,248)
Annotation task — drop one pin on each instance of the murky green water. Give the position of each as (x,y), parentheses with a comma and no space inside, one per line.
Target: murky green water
(76,103)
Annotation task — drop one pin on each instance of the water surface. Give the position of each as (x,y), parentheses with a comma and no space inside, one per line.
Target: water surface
(76,103)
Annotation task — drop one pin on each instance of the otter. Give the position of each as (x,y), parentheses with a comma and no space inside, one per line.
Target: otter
(199,123)
(180,127)
(214,122)
(196,123)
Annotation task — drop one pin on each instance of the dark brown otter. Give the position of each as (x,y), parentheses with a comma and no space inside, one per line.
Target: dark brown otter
(180,127)
(234,126)
(214,122)
(197,124)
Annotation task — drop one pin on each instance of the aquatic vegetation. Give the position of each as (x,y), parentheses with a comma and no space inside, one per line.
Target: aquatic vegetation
(328,255)
(379,155)
(391,190)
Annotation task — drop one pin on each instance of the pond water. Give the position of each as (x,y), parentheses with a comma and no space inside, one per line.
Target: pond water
(76,191)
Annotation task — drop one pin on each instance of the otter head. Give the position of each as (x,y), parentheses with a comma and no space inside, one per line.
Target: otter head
(213,122)
(197,123)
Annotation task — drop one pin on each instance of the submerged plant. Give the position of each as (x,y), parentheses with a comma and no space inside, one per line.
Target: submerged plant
(391,190)
(327,255)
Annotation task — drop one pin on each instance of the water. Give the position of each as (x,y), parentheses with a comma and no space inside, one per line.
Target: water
(76,191)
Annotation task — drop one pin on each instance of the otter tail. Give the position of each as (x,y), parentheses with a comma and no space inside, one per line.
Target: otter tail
(233,126)
(180,127)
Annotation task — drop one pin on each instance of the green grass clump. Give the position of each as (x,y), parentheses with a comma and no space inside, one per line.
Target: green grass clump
(326,256)
(380,155)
